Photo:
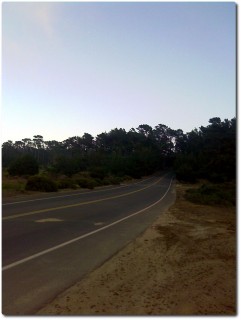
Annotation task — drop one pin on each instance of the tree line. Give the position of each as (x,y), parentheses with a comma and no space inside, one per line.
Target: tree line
(208,152)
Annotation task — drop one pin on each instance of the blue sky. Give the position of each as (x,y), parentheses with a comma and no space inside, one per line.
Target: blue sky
(70,68)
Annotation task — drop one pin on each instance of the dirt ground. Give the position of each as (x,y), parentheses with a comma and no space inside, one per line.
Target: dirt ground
(185,264)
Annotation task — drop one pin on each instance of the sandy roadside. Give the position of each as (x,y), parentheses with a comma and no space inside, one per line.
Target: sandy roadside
(185,264)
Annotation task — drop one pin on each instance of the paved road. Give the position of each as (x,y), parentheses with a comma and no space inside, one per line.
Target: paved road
(49,243)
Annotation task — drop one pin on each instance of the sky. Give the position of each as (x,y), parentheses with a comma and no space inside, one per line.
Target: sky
(75,67)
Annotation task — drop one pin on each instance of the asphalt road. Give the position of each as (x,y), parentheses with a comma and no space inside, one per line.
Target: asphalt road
(51,242)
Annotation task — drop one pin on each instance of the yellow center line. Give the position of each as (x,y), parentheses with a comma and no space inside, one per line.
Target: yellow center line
(78,204)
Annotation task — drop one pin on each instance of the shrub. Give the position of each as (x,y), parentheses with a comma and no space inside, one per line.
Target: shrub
(97,173)
(81,174)
(66,183)
(41,183)
(24,165)
(126,178)
(88,183)
(14,185)
(210,194)
(111,180)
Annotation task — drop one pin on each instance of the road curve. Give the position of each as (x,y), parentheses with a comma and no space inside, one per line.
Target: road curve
(51,242)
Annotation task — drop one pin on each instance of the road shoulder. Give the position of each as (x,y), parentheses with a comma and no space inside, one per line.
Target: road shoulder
(184,264)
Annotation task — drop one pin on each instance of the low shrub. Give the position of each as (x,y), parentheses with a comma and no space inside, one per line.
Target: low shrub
(126,178)
(213,194)
(88,183)
(14,184)
(67,183)
(41,183)
(98,173)
(111,180)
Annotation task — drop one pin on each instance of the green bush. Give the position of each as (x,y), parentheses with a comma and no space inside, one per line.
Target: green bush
(98,173)
(24,165)
(14,185)
(213,194)
(88,183)
(126,178)
(67,183)
(41,183)
(112,180)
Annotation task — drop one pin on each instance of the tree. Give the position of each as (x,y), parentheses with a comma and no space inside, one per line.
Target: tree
(87,141)
(24,165)
(145,129)
(209,152)
(8,153)
(38,141)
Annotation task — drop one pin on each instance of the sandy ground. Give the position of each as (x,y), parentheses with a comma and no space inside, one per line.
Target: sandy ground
(185,264)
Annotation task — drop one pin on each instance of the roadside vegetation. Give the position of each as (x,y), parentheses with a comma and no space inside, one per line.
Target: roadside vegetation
(222,194)
(47,182)
(207,154)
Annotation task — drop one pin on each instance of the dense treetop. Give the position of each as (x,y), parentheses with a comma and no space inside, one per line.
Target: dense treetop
(208,152)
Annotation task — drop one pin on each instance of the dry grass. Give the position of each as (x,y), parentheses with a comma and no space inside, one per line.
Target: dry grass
(12,186)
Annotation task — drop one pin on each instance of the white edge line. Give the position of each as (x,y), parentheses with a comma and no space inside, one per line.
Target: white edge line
(14,264)
(75,194)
